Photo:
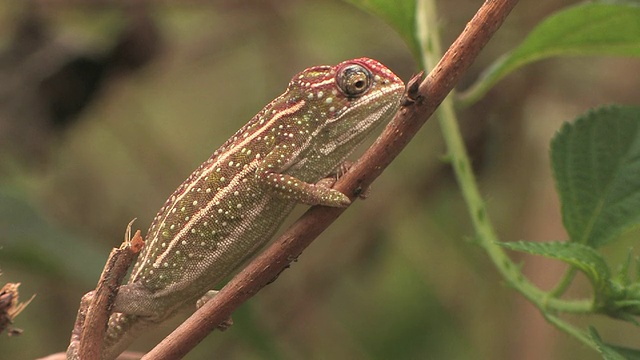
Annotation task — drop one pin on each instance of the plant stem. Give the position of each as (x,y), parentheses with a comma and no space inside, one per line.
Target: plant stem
(431,53)
(570,329)
(564,283)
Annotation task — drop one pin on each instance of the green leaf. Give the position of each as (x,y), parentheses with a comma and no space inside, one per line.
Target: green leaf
(612,352)
(400,14)
(596,165)
(586,29)
(584,258)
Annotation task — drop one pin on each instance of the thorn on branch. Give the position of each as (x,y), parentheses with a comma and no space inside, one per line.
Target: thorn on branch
(412,94)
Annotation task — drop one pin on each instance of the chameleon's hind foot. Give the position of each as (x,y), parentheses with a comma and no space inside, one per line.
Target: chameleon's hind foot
(208,296)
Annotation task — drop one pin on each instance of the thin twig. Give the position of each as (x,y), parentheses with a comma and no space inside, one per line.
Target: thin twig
(95,308)
(417,107)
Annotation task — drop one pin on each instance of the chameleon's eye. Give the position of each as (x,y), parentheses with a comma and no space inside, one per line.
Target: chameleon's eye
(354,80)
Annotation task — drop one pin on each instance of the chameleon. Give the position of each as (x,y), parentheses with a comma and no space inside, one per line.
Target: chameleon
(233,203)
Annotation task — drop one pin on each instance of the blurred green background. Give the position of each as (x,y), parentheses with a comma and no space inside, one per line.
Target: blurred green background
(105,109)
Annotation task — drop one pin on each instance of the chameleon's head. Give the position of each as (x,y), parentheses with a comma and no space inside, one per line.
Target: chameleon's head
(345,102)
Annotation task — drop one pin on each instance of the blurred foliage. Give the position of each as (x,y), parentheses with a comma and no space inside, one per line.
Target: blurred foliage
(29,241)
(394,278)
(586,29)
(399,14)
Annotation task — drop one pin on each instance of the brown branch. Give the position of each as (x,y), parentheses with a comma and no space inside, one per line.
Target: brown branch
(418,105)
(95,307)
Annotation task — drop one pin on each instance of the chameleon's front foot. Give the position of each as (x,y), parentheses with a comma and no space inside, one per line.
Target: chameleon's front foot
(291,188)
(330,180)
(326,196)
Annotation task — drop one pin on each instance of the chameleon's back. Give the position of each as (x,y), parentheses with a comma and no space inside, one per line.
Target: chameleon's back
(234,202)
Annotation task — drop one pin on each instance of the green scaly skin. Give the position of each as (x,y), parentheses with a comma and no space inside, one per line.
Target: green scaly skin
(234,202)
